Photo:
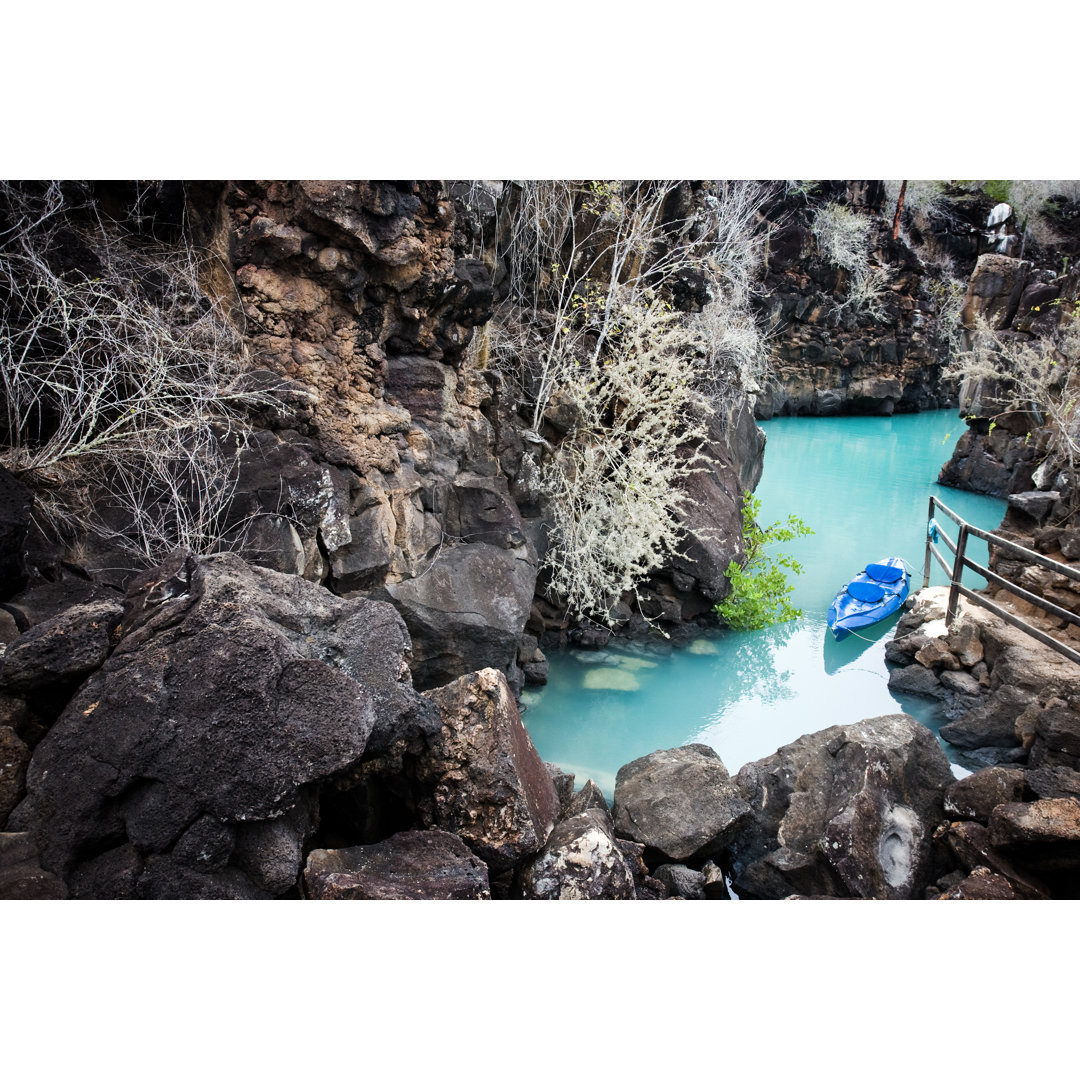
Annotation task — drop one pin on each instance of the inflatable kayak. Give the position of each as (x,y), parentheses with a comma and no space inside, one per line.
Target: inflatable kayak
(869,596)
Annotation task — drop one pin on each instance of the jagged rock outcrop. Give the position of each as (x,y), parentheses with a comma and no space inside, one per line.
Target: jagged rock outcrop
(481,775)
(831,358)
(845,812)
(1010,698)
(65,647)
(233,692)
(1013,828)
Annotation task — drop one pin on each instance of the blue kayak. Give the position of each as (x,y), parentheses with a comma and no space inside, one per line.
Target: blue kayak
(869,597)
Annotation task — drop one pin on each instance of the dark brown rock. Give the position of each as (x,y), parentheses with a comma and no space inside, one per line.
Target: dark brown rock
(715,884)
(971,847)
(994,290)
(680,803)
(848,811)
(467,611)
(983,884)
(646,887)
(231,690)
(916,679)
(14,759)
(67,646)
(993,724)
(1057,737)
(1048,827)
(588,798)
(21,874)
(1053,782)
(564,784)
(974,797)
(417,865)
(486,782)
(681,881)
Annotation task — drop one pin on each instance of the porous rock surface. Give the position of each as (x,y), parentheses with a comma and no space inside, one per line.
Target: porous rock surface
(481,775)
(21,874)
(233,691)
(580,861)
(845,812)
(415,865)
(68,645)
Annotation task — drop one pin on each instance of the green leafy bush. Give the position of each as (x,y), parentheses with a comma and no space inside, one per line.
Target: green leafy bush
(760,590)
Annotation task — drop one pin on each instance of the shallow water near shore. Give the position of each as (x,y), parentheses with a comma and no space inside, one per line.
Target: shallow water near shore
(863,485)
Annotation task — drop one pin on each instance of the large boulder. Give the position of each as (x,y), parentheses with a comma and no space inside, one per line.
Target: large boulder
(974,797)
(482,776)
(994,290)
(233,693)
(1042,836)
(845,812)
(416,865)
(467,611)
(580,861)
(971,847)
(993,724)
(681,804)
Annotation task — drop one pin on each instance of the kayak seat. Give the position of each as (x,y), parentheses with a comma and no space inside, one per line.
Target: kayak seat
(866,591)
(884,572)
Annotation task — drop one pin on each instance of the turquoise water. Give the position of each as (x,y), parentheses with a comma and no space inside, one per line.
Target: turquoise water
(863,485)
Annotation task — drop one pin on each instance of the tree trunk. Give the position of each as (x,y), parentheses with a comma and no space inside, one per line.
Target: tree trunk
(899,208)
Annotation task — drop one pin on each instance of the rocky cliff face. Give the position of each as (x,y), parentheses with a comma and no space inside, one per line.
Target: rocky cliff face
(355,292)
(828,359)
(396,469)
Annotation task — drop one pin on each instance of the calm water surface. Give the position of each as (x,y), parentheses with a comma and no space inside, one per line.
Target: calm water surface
(863,485)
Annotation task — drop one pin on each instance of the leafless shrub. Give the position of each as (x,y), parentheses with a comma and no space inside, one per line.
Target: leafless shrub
(843,238)
(119,402)
(1038,376)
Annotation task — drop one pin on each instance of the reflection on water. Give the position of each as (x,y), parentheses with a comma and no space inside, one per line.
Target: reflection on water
(863,485)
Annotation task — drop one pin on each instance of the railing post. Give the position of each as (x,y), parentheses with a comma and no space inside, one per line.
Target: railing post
(926,564)
(957,574)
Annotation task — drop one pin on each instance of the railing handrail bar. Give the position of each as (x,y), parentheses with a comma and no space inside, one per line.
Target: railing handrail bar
(1019,590)
(941,560)
(1015,620)
(960,561)
(1010,546)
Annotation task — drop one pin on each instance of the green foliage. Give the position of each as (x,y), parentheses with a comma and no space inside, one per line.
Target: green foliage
(998,190)
(760,590)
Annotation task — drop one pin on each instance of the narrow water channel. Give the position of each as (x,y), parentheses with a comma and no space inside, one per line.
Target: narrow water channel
(863,485)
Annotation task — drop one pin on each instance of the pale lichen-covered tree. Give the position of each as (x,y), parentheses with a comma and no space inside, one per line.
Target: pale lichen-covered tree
(629,304)
(844,239)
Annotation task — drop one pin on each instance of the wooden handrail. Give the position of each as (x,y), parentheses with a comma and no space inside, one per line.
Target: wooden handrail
(961,561)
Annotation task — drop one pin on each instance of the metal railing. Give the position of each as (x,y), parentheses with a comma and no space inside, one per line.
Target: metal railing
(961,560)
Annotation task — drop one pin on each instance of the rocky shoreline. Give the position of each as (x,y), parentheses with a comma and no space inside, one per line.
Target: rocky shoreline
(241,733)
